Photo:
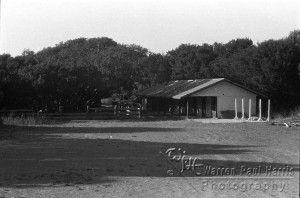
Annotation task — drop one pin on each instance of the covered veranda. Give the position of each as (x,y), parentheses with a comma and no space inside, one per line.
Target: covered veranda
(195,107)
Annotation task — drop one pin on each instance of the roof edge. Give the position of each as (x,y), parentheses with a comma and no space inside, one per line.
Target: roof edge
(246,88)
(196,90)
(200,88)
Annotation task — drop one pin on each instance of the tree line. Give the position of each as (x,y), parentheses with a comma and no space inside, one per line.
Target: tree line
(80,72)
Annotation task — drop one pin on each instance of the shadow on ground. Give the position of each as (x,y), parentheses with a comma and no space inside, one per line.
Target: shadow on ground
(50,130)
(32,156)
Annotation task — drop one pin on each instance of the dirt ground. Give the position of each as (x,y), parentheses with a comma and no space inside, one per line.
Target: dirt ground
(122,159)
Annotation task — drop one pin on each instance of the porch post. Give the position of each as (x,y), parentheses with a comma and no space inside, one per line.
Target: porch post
(235,108)
(259,119)
(249,119)
(187,108)
(269,107)
(243,110)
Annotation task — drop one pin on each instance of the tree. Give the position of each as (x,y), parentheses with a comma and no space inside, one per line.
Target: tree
(80,72)
(279,61)
(191,61)
(118,66)
(152,70)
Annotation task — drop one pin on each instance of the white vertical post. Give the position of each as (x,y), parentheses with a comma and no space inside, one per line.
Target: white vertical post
(243,110)
(249,119)
(235,107)
(259,119)
(269,107)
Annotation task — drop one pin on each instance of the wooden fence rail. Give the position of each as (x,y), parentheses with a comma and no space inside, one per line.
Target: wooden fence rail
(91,113)
(17,112)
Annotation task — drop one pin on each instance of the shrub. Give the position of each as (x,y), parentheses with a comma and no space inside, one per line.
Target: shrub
(292,115)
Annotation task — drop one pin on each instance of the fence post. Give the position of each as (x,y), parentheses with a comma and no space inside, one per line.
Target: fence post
(60,110)
(140,112)
(87,109)
(115,111)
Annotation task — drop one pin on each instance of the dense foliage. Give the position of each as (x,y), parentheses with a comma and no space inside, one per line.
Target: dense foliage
(80,72)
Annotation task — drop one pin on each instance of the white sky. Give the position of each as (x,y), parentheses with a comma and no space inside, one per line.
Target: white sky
(159,25)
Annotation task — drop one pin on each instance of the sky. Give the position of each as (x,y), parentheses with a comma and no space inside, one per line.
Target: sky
(158,25)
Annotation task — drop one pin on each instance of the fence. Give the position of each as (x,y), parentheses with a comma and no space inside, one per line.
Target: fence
(91,113)
(17,112)
(115,112)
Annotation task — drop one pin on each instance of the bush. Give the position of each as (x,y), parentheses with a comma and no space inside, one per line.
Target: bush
(295,112)
(292,115)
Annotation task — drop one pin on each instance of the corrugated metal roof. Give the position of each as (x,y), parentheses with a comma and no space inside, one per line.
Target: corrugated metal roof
(179,88)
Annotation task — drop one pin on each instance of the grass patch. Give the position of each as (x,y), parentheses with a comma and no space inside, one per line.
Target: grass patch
(24,121)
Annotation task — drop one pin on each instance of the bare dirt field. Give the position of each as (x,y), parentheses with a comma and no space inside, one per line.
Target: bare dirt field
(122,159)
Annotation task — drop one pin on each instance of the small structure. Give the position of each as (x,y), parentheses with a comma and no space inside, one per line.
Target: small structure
(203,98)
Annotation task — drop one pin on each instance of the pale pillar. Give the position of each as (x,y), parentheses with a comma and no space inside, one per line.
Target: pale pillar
(249,119)
(235,107)
(243,110)
(269,108)
(259,119)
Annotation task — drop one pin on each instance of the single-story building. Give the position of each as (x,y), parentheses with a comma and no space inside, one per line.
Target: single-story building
(204,98)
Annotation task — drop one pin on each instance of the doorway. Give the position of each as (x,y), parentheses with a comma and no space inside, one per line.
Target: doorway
(207,107)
